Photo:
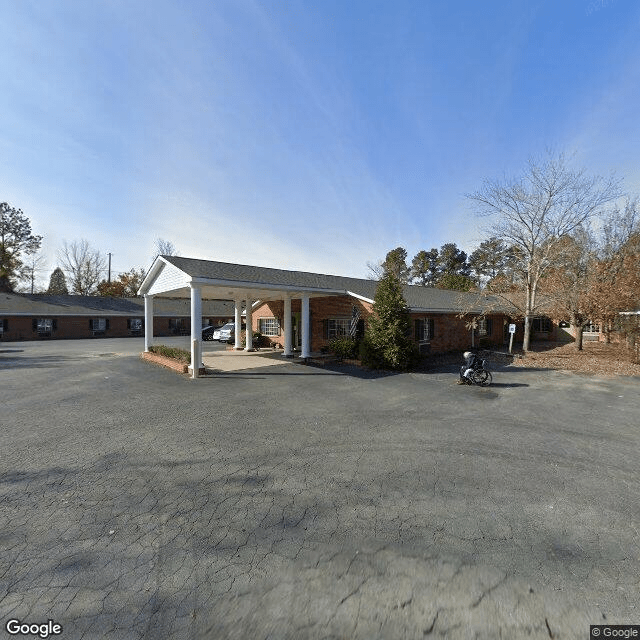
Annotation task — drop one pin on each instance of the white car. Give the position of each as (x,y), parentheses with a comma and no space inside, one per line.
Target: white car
(225,332)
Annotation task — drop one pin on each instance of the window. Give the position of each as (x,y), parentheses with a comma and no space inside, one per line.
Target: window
(44,326)
(269,326)
(338,327)
(591,327)
(135,325)
(176,326)
(484,326)
(99,325)
(4,326)
(424,329)
(541,325)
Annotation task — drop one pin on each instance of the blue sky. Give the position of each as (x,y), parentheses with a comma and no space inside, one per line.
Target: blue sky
(297,134)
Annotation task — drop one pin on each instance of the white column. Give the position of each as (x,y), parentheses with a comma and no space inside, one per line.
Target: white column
(287,327)
(148,321)
(249,341)
(196,330)
(306,337)
(238,323)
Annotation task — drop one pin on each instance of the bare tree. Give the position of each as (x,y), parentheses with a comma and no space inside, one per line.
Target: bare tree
(532,212)
(615,278)
(567,284)
(376,270)
(164,248)
(33,267)
(83,266)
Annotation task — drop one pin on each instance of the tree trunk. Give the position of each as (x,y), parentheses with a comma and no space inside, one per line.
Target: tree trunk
(527,333)
(578,336)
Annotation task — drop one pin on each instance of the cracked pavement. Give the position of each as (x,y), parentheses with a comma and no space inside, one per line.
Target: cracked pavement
(300,502)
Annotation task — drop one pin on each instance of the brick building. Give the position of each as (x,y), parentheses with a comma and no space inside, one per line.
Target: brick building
(303,311)
(37,317)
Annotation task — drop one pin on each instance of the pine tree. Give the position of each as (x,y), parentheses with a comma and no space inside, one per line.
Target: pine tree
(387,343)
(58,283)
(16,240)
(396,263)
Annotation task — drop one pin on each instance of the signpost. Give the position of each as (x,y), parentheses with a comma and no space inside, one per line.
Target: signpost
(512,330)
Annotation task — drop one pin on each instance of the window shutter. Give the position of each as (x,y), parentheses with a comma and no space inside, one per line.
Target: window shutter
(107,325)
(325,329)
(91,324)
(54,324)
(34,324)
(417,327)
(360,329)
(5,325)
(489,326)
(128,323)
(432,328)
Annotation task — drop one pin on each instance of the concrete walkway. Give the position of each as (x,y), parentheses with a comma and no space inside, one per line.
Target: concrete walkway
(228,361)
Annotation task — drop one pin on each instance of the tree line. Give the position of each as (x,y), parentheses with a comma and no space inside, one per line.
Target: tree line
(561,243)
(81,268)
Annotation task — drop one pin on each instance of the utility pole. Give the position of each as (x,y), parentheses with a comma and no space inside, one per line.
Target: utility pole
(109,278)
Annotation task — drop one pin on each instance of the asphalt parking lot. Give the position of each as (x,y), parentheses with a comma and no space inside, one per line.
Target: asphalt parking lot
(302,502)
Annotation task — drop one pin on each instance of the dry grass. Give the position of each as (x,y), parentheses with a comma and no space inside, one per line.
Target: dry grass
(596,358)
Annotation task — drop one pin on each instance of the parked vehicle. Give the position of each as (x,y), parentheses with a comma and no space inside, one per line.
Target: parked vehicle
(225,332)
(208,331)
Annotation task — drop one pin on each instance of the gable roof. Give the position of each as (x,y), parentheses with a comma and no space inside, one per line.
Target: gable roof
(176,273)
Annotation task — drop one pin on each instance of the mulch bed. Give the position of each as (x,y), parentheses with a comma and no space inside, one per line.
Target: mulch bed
(597,358)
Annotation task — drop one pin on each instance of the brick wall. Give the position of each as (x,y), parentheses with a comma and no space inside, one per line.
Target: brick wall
(450,332)
(319,309)
(70,327)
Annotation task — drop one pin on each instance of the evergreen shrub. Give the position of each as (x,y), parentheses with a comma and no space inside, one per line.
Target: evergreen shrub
(387,343)
(344,347)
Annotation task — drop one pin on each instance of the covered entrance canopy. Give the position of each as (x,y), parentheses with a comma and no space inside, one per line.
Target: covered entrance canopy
(177,277)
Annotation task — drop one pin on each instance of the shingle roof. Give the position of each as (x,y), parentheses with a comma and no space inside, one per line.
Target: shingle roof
(418,298)
(45,305)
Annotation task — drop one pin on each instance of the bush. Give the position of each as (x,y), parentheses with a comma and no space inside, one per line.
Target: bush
(172,352)
(344,347)
(369,355)
(256,342)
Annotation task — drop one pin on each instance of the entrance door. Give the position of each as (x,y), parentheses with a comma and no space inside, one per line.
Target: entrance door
(296,328)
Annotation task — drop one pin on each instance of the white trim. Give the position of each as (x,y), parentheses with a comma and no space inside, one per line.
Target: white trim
(237,318)
(306,328)
(359,297)
(249,330)
(196,330)
(259,286)
(287,327)
(148,322)
(157,266)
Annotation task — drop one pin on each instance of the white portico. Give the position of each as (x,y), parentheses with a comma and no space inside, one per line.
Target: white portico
(177,277)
